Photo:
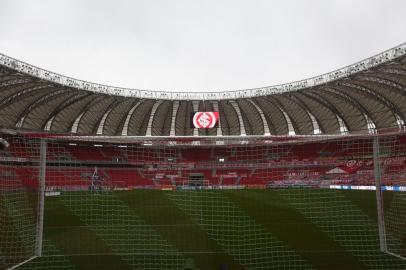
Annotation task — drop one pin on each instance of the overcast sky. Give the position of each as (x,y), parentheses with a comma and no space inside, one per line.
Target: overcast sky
(207,45)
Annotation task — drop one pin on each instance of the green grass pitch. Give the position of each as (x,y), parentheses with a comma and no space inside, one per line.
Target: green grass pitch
(213,229)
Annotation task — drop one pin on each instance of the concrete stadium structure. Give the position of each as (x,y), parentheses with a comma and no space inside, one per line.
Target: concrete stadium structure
(366,96)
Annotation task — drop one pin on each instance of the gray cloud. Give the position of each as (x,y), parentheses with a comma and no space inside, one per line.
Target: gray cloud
(198,45)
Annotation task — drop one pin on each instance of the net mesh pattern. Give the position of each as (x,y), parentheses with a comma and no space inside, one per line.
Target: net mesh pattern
(221,203)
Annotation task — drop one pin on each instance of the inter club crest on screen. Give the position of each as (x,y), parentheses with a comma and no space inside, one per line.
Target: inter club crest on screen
(204,119)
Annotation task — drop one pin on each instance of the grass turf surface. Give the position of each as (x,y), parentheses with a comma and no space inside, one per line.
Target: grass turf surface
(240,229)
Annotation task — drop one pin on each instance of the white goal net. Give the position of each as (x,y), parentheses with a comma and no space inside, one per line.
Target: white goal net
(300,202)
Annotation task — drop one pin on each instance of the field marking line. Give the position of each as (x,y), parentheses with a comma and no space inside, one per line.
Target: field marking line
(395,255)
(21,263)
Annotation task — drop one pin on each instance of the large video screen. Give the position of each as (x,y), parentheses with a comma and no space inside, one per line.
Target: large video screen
(204,119)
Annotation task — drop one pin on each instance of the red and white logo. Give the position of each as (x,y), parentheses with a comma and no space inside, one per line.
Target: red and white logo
(205,119)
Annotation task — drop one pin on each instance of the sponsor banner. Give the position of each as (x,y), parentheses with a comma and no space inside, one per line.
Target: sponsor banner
(383,188)
(204,119)
(394,188)
(231,187)
(120,188)
(52,193)
(13,159)
(255,186)
(194,187)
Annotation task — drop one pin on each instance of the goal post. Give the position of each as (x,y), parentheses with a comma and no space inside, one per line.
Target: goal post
(378,191)
(20,201)
(40,206)
(41,197)
(389,169)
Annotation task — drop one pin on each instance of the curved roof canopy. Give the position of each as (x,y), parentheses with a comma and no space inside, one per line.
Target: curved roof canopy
(366,95)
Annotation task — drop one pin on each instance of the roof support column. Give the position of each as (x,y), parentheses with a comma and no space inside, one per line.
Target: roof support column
(101,124)
(237,109)
(267,132)
(195,104)
(174,112)
(291,129)
(127,120)
(151,117)
(219,132)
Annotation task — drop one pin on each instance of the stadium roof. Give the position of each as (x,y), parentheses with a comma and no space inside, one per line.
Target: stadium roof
(370,94)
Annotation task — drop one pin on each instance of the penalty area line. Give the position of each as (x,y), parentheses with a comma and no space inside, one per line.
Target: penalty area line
(396,255)
(21,263)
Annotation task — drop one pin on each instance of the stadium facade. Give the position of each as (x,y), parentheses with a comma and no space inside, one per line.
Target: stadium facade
(364,96)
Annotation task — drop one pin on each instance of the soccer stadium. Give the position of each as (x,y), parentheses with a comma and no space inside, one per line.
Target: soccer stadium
(304,175)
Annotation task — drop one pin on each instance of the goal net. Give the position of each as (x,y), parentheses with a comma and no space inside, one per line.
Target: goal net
(392,176)
(299,202)
(19,194)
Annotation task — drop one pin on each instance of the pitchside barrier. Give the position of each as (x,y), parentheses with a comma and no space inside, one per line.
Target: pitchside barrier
(253,202)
